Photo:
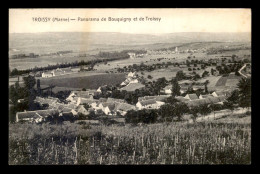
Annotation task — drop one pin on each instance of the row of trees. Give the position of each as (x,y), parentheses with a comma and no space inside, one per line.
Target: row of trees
(16,72)
(114,55)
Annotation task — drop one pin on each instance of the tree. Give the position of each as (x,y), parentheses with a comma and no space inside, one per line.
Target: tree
(205,74)
(180,75)
(234,97)
(149,77)
(244,86)
(194,111)
(171,100)
(175,88)
(206,86)
(29,82)
(215,107)
(86,106)
(179,109)
(204,109)
(166,112)
(229,105)
(196,77)
(14,72)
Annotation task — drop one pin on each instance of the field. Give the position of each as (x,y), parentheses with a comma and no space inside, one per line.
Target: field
(168,73)
(88,82)
(44,61)
(215,142)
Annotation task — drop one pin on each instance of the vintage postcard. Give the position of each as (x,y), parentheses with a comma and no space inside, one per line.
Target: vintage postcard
(123,86)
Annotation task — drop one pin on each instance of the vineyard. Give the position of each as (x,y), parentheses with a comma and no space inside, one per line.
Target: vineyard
(172,143)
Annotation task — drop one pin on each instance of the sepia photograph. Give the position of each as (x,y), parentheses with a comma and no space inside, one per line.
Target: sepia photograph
(128,86)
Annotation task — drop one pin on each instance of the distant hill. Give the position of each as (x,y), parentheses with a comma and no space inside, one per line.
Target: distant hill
(85,41)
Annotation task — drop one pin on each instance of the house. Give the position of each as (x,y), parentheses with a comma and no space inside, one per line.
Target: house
(123,84)
(85,101)
(133,81)
(181,99)
(99,90)
(168,89)
(74,112)
(149,104)
(205,96)
(115,100)
(20,100)
(220,93)
(122,108)
(66,109)
(191,96)
(107,108)
(35,116)
(26,116)
(81,109)
(132,55)
(46,75)
(74,95)
(184,89)
(131,74)
(156,98)
(50,101)
(218,100)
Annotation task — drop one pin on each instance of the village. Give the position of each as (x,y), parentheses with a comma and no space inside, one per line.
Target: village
(86,102)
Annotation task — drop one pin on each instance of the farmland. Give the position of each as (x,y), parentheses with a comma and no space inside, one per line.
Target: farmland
(212,142)
(88,82)
(44,61)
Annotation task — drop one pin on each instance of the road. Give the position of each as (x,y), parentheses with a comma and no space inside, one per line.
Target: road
(242,69)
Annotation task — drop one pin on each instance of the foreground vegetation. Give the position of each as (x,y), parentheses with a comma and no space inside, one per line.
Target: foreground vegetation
(171,143)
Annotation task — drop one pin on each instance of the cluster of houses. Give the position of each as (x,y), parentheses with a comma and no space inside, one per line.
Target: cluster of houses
(134,55)
(151,102)
(108,106)
(213,98)
(184,86)
(59,72)
(77,101)
(162,52)
(131,78)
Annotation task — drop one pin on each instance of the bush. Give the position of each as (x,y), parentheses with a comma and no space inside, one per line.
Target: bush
(141,116)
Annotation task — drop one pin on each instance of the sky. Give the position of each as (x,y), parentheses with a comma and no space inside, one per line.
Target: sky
(171,20)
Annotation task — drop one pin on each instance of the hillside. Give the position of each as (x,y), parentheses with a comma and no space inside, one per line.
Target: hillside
(85,41)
